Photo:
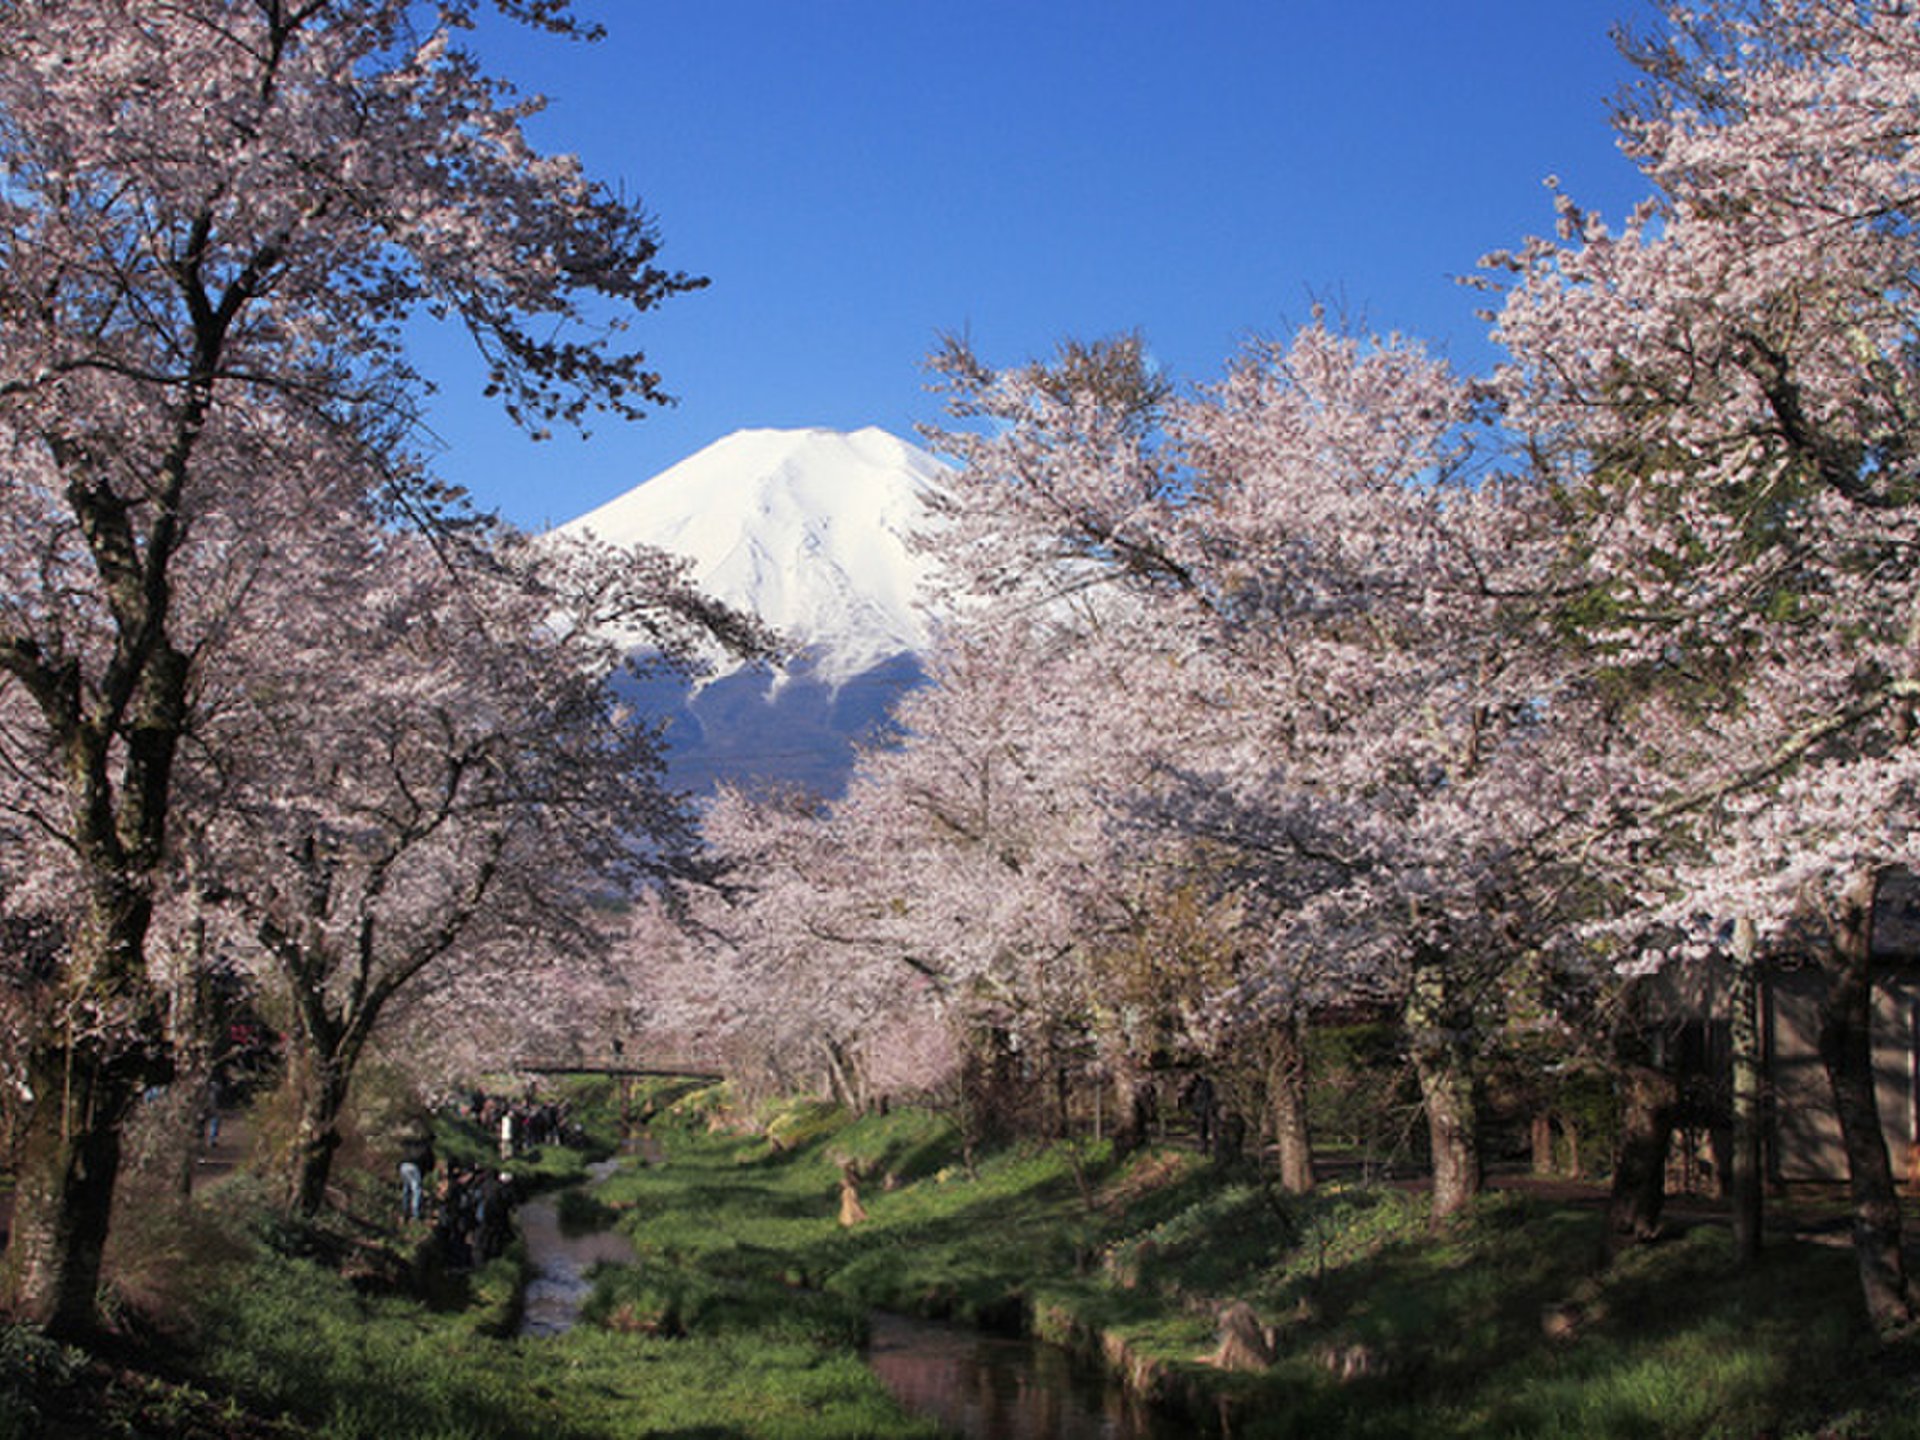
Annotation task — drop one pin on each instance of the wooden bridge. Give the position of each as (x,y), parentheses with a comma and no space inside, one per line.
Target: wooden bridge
(651,1066)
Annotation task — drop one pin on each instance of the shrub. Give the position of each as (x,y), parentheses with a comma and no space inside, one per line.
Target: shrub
(31,1366)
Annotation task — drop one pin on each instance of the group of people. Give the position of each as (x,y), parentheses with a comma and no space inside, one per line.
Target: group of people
(471,1207)
(473,1219)
(527,1121)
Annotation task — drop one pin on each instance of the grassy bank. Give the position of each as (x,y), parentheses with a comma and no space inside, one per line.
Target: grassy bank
(352,1328)
(1509,1323)
(744,1312)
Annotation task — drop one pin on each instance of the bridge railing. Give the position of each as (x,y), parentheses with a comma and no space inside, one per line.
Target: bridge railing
(671,1067)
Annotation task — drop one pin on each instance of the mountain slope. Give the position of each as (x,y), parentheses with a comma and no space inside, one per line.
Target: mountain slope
(811,530)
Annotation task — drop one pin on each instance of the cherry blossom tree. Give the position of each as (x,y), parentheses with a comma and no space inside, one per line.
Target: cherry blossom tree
(464,807)
(218,217)
(964,881)
(796,950)
(1726,384)
(1315,529)
(1000,799)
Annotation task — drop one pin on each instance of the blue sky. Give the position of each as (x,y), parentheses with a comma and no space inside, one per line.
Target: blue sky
(857,177)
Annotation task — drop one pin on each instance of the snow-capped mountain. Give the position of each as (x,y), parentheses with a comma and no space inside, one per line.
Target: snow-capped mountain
(811,530)
(808,529)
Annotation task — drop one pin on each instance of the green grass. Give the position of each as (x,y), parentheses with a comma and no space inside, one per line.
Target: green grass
(341,1328)
(745,1205)
(745,1310)
(291,1339)
(1506,1323)
(370,1371)
(1507,1326)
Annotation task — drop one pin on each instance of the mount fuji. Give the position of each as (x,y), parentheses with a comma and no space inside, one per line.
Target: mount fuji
(813,531)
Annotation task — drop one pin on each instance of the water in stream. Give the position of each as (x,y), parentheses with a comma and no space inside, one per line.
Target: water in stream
(990,1387)
(558,1265)
(981,1386)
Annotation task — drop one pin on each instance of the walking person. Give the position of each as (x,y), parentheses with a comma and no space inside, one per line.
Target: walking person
(416,1162)
(210,1102)
(1199,1099)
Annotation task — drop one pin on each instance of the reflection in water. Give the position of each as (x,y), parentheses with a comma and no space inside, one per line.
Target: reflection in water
(984,1387)
(990,1388)
(557,1266)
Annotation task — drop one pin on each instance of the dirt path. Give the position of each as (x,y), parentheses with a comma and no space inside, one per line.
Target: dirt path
(218,1160)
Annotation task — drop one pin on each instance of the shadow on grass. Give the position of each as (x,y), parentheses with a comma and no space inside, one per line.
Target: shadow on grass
(1507,1323)
(1511,1327)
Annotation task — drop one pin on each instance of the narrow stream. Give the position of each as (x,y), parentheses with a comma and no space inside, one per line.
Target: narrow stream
(990,1387)
(985,1387)
(558,1265)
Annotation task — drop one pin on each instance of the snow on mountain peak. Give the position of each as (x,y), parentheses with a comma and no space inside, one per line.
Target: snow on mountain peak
(808,529)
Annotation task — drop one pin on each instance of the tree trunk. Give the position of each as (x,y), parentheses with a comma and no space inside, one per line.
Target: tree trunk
(190,1096)
(1846,1050)
(843,1076)
(1287,1103)
(1130,1110)
(1649,1106)
(62,1206)
(83,1089)
(1745,1181)
(85,1083)
(1440,1031)
(1649,1101)
(322,1083)
(160,1144)
(1540,1143)
(989,1090)
(1058,1059)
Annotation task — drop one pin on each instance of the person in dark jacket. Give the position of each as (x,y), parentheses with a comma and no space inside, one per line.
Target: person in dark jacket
(495,1215)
